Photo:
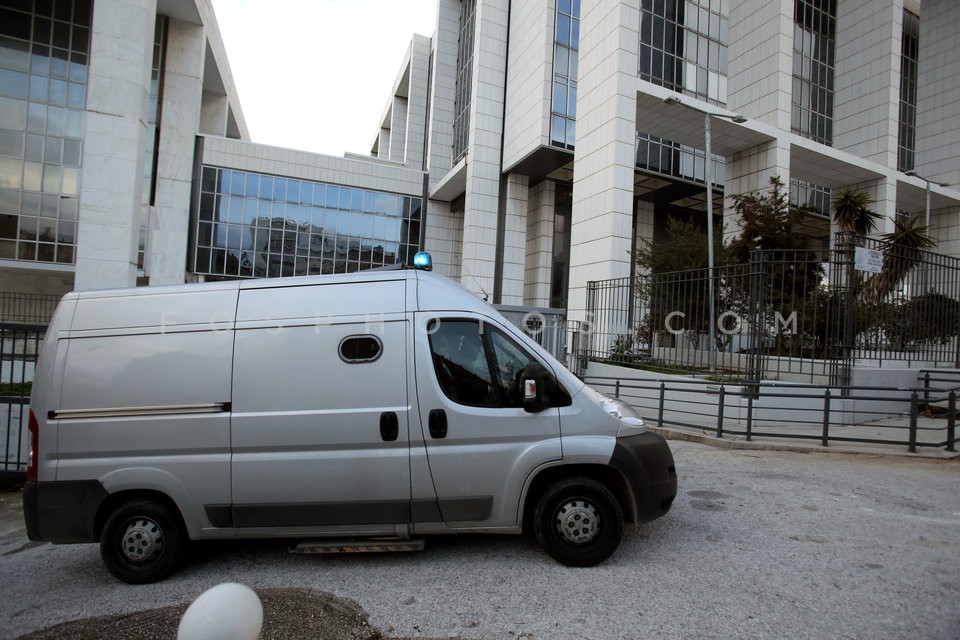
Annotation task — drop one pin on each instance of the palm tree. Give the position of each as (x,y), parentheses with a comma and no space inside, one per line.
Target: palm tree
(904,249)
(852,212)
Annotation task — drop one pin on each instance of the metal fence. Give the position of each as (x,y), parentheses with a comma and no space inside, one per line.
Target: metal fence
(547,327)
(913,418)
(909,311)
(27,308)
(787,315)
(19,345)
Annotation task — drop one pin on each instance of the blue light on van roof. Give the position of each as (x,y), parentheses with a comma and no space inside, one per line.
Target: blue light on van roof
(423,261)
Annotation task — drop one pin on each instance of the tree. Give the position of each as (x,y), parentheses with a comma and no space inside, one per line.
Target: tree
(767,222)
(676,279)
(903,250)
(684,247)
(852,212)
(790,275)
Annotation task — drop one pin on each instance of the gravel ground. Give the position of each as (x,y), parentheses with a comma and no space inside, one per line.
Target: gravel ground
(759,544)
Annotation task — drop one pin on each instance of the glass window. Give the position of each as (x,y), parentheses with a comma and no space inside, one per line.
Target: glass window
(330,236)
(908,91)
(477,364)
(358,349)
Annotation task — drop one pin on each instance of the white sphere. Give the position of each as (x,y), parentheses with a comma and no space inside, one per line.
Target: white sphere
(228,611)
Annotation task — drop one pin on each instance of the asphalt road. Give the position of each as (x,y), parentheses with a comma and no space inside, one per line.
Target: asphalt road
(758,544)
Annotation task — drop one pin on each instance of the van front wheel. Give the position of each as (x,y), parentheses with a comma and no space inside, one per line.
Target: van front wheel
(578,522)
(142,542)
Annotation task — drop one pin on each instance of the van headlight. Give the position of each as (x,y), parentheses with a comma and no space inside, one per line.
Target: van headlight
(630,423)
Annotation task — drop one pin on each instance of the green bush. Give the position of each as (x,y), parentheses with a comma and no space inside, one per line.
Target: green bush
(15,389)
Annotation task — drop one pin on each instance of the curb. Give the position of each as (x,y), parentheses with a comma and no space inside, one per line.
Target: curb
(738,442)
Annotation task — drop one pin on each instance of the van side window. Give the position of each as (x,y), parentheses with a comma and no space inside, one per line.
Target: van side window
(477,364)
(356,349)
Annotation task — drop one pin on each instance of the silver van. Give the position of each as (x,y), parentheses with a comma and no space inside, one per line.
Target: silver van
(380,405)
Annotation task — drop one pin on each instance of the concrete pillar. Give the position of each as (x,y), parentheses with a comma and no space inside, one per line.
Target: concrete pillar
(759,72)
(417,107)
(938,92)
(602,219)
(749,171)
(515,240)
(168,232)
(383,150)
(213,114)
(539,259)
(866,111)
(483,160)
(115,143)
(883,192)
(444,239)
(443,90)
(643,227)
(398,129)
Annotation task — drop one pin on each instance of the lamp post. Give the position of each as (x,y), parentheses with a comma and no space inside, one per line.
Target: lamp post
(926,216)
(739,119)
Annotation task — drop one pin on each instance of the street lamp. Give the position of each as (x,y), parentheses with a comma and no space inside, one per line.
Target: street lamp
(739,119)
(926,218)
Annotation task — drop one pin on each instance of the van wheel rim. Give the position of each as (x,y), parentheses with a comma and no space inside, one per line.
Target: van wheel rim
(142,540)
(577,521)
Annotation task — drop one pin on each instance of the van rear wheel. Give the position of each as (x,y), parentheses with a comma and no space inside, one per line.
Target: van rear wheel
(142,542)
(578,522)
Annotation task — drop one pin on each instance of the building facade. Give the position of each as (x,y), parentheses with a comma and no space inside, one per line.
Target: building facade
(528,146)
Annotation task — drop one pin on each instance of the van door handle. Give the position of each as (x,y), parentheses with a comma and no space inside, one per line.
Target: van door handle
(389,426)
(438,423)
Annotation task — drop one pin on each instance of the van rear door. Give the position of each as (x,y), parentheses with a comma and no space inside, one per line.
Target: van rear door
(481,444)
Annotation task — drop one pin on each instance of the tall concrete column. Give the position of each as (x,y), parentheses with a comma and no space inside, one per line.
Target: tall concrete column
(417,107)
(213,114)
(883,192)
(750,171)
(866,115)
(539,259)
(759,77)
(444,239)
(115,142)
(602,219)
(483,161)
(168,232)
(398,130)
(515,240)
(938,93)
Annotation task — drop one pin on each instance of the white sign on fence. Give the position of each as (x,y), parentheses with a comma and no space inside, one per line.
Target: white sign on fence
(869,260)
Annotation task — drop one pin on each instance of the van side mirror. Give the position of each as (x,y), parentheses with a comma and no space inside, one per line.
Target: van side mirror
(539,386)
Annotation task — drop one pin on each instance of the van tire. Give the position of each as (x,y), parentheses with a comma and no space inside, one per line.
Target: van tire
(142,542)
(578,522)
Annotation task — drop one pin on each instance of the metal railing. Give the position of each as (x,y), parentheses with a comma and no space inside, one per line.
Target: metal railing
(787,315)
(547,327)
(907,312)
(27,308)
(19,346)
(819,413)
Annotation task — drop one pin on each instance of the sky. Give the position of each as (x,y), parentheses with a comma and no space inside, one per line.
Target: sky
(315,75)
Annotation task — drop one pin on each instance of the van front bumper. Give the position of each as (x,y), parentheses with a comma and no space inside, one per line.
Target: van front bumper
(646,462)
(62,511)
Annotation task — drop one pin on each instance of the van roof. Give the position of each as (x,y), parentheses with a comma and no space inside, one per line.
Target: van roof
(434,292)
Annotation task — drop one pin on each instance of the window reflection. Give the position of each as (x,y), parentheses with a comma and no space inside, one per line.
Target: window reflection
(267,226)
(43,76)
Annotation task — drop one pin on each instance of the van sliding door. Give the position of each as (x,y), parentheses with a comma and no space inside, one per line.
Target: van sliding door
(320,412)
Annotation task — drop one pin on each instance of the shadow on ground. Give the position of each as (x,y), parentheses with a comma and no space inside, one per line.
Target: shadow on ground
(288,614)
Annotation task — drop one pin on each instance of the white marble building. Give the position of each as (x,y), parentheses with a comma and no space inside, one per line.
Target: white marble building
(528,145)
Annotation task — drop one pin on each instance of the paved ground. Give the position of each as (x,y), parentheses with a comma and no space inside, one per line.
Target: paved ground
(759,544)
